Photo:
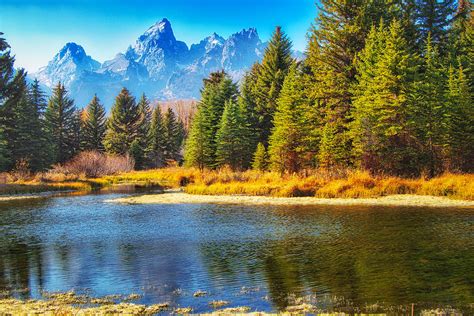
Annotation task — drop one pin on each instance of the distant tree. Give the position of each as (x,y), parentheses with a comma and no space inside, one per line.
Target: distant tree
(123,125)
(61,123)
(93,126)
(260,158)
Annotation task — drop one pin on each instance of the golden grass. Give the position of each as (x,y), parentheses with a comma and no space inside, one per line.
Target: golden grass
(351,184)
(356,184)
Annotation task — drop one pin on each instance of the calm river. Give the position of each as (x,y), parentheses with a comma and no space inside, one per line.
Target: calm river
(341,258)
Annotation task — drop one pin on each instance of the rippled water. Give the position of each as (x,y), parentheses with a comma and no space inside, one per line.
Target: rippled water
(248,255)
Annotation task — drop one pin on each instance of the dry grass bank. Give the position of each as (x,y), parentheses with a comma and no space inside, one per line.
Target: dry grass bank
(348,184)
(355,184)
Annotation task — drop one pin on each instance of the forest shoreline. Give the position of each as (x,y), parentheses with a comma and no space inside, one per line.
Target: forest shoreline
(406,200)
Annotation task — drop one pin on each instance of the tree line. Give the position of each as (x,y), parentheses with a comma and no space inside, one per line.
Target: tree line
(40,132)
(386,86)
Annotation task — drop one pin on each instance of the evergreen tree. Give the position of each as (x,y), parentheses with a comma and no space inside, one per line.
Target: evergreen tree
(173,138)
(433,19)
(123,126)
(429,107)
(201,145)
(144,129)
(232,138)
(288,146)
(248,107)
(6,75)
(271,74)
(22,125)
(61,123)
(461,40)
(6,70)
(4,153)
(338,35)
(38,98)
(460,122)
(199,150)
(93,126)
(381,131)
(260,158)
(156,148)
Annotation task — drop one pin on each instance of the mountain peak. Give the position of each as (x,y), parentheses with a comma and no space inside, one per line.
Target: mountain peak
(160,27)
(73,49)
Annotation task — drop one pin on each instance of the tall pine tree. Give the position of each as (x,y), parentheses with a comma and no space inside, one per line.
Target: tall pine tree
(156,147)
(271,74)
(61,123)
(93,126)
(382,110)
(123,125)
(232,138)
(289,147)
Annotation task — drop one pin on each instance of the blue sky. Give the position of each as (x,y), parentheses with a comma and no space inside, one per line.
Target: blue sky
(37,29)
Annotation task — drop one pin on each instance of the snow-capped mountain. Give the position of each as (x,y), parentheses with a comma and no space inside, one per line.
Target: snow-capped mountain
(157,64)
(67,66)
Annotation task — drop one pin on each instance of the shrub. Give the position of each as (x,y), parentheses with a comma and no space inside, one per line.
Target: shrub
(93,164)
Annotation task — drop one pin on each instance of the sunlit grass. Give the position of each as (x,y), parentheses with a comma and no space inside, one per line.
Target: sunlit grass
(347,184)
(353,184)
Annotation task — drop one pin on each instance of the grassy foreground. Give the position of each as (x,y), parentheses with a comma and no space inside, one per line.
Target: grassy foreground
(349,184)
(355,184)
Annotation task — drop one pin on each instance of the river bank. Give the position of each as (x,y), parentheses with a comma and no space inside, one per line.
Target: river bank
(176,197)
(348,184)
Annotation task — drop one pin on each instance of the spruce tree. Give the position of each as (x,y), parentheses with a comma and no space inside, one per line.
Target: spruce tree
(338,35)
(201,145)
(429,107)
(381,131)
(22,125)
(260,158)
(61,122)
(434,19)
(459,141)
(172,137)
(288,142)
(93,126)
(198,149)
(461,40)
(6,75)
(123,126)
(232,138)
(6,69)
(156,147)
(38,98)
(144,129)
(4,153)
(248,108)
(271,74)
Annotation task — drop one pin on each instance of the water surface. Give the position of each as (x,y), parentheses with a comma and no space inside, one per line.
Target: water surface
(342,258)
